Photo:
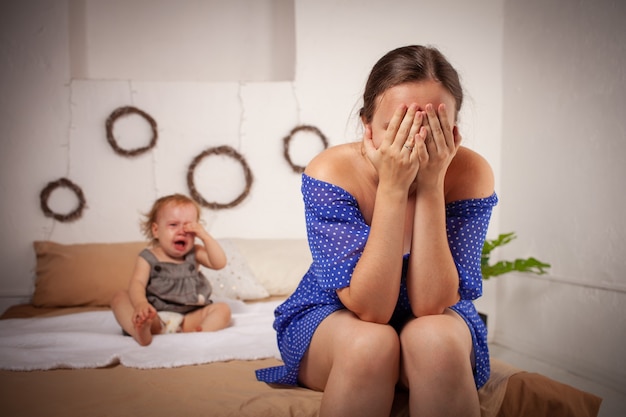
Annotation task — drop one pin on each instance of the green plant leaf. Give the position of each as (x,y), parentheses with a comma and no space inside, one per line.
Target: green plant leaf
(489,270)
(501,240)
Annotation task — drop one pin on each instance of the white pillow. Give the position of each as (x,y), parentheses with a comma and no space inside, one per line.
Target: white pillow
(278,264)
(235,280)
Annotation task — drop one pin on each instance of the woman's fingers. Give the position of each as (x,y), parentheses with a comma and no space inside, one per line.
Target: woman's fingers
(408,128)
(420,144)
(457,136)
(434,129)
(369,148)
(440,130)
(442,142)
(394,125)
(403,126)
(446,126)
(367,139)
(418,119)
(410,142)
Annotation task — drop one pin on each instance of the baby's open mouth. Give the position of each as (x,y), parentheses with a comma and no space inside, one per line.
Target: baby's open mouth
(180,244)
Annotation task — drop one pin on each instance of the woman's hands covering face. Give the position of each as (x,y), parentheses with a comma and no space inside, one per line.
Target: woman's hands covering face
(397,158)
(442,142)
(416,146)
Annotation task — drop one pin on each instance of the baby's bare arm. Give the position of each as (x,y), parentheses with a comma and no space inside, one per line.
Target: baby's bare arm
(210,253)
(143,310)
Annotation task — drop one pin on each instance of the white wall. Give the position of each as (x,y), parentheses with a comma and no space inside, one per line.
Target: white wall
(108,40)
(52,126)
(562,183)
(34,128)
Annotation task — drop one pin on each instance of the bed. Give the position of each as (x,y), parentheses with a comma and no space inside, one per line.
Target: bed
(63,353)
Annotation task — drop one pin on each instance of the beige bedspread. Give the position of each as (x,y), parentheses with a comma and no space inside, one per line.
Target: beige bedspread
(216,389)
(222,389)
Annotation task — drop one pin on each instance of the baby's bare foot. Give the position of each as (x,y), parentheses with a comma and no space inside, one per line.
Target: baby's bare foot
(143,331)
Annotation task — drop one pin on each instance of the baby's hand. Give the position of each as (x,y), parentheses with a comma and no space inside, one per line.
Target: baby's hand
(195,228)
(143,313)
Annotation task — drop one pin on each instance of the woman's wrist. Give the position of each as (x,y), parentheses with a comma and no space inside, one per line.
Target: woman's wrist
(430,189)
(391,192)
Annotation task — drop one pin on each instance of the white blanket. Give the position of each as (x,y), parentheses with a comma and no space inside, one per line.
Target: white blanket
(94,339)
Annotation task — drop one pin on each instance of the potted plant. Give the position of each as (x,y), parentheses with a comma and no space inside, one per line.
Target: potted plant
(490,269)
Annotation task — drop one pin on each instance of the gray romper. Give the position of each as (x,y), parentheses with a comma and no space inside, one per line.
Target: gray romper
(179,288)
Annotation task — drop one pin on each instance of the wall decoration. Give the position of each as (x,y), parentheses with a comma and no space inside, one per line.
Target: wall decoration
(219,150)
(287,142)
(125,111)
(62,183)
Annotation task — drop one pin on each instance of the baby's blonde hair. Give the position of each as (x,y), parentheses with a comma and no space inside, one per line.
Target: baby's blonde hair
(152,216)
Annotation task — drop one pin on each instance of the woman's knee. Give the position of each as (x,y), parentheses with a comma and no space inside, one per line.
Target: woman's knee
(442,340)
(372,348)
(437,330)
(436,358)
(352,350)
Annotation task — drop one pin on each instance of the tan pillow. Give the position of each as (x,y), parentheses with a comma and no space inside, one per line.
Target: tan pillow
(86,274)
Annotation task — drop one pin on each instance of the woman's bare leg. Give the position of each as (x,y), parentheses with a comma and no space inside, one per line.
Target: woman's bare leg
(213,317)
(123,310)
(437,366)
(355,363)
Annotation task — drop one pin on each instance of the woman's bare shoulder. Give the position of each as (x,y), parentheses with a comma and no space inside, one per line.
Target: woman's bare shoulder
(334,164)
(469,176)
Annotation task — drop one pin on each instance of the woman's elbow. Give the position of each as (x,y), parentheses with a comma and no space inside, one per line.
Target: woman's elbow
(374,317)
(422,310)
(367,312)
(425,308)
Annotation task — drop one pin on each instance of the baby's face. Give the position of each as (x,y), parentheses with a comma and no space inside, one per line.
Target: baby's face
(170,232)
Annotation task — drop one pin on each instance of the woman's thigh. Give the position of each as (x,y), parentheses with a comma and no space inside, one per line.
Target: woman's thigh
(343,339)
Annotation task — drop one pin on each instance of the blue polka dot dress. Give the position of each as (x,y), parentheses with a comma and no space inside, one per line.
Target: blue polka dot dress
(337,235)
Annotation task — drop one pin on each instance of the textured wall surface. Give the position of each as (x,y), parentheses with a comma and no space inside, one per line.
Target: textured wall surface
(52,125)
(564,141)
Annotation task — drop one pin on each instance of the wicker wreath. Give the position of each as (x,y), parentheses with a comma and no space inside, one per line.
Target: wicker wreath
(287,142)
(220,150)
(125,111)
(62,183)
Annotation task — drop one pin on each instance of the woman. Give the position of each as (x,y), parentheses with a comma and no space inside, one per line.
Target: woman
(396,225)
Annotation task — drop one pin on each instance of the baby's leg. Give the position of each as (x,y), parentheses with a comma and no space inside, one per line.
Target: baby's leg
(213,317)
(124,311)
